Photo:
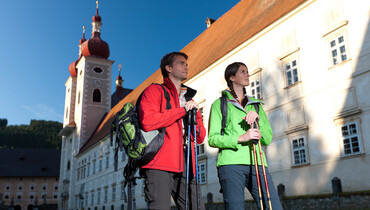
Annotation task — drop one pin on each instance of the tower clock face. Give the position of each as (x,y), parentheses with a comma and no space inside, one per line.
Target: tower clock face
(97,83)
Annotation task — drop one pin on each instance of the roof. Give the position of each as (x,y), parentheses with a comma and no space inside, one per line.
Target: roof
(240,23)
(29,162)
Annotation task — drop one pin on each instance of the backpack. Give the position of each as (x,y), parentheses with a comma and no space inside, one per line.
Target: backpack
(140,146)
(223,107)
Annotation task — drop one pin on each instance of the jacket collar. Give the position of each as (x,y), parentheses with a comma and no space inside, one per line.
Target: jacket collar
(190,93)
(233,101)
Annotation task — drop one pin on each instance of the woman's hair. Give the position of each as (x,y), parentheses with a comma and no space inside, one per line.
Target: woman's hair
(231,71)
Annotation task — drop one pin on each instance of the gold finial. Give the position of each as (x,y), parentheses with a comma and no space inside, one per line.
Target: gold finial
(97,4)
(119,68)
(83,28)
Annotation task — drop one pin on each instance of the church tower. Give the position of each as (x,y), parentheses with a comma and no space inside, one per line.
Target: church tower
(93,88)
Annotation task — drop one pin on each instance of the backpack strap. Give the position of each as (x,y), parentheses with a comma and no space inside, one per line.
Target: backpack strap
(167,96)
(223,107)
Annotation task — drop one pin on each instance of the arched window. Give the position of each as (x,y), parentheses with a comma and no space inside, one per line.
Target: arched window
(96,95)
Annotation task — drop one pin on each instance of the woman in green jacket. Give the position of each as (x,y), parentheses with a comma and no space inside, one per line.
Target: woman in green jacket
(235,160)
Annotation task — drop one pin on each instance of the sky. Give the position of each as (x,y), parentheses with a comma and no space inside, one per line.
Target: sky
(39,39)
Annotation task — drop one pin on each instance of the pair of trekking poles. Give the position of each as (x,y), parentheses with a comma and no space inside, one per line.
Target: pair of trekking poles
(255,125)
(192,121)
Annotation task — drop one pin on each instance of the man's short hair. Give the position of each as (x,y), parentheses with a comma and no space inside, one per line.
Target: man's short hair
(168,59)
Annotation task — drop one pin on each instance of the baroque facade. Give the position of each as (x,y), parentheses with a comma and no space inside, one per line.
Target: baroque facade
(309,62)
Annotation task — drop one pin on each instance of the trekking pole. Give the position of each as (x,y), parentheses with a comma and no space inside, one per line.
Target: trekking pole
(257,172)
(194,121)
(264,170)
(187,161)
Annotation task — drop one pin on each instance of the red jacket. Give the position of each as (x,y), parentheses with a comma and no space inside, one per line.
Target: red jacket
(153,116)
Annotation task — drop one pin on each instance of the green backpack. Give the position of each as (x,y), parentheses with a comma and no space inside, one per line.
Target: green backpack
(140,146)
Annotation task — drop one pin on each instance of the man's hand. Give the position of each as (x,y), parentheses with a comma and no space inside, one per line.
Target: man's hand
(190,105)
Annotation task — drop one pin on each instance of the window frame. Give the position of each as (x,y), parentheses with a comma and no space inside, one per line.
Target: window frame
(203,172)
(293,150)
(336,30)
(255,75)
(359,139)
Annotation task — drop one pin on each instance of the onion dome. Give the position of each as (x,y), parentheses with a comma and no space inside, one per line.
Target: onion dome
(95,46)
(73,69)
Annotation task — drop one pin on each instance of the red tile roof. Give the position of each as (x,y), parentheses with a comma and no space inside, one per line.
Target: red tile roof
(236,26)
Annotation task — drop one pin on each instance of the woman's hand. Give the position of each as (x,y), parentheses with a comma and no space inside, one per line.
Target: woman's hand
(250,135)
(251,117)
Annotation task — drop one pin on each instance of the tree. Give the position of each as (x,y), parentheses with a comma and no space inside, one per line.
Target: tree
(3,122)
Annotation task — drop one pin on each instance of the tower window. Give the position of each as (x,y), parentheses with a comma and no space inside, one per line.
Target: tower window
(96,95)
(98,70)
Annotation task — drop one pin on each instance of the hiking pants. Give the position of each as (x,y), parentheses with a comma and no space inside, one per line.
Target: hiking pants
(161,185)
(233,179)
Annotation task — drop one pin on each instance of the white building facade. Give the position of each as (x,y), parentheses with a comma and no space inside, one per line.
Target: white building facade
(310,67)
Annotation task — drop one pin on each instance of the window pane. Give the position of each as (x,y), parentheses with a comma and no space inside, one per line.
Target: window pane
(253,92)
(352,129)
(334,53)
(341,39)
(295,144)
(332,43)
(289,77)
(287,66)
(294,63)
(344,130)
(257,82)
(252,84)
(342,49)
(295,74)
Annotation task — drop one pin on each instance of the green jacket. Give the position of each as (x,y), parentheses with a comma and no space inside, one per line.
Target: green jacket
(231,152)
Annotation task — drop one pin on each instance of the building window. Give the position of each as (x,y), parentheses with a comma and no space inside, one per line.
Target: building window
(98,199)
(291,71)
(202,172)
(98,70)
(113,193)
(107,161)
(94,162)
(32,187)
(7,196)
(351,139)
(87,199)
(20,187)
(88,169)
(338,50)
(299,151)
(123,192)
(256,88)
(200,149)
(7,187)
(79,96)
(92,199)
(55,195)
(96,95)
(101,164)
(105,195)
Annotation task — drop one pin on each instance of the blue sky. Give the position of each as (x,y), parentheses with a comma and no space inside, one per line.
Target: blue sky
(39,39)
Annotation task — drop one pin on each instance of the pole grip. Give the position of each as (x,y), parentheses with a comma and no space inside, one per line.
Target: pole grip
(194,116)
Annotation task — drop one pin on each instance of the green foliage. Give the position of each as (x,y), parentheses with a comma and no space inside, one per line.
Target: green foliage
(3,123)
(39,134)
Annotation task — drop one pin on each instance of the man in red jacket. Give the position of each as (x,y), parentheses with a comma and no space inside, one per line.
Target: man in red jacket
(165,175)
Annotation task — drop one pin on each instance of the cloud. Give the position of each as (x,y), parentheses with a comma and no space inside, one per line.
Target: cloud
(43,112)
